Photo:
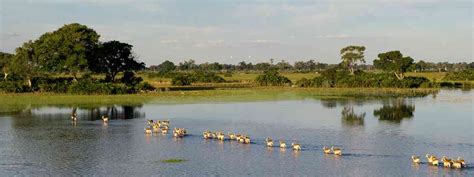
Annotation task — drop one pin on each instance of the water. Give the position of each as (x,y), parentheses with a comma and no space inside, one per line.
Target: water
(377,137)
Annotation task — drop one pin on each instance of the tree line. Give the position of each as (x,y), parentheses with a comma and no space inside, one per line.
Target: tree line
(299,66)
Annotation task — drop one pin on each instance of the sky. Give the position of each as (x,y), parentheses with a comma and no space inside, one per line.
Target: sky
(230,31)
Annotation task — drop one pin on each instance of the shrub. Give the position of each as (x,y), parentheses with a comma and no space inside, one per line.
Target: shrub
(272,78)
(144,87)
(12,86)
(206,77)
(87,85)
(304,83)
(181,80)
(466,75)
(335,78)
(48,84)
(130,79)
(228,74)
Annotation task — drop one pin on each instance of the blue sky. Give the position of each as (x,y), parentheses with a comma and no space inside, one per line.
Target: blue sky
(255,31)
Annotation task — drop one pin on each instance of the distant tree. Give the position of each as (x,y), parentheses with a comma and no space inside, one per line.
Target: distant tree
(284,65)
(262,66)
(471,65)
(300,65)
(187,65)
(215,66)
(244,66)
(351,55)
(114,57)
(166,67)
(395,62)
(321,66)
(5,59)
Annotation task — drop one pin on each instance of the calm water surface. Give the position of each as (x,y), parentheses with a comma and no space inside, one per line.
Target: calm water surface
(377,137)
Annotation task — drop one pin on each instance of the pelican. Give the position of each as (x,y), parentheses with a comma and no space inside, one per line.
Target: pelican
(269,142)
(415,159)
(282,144)
(326,150)
(296,146)
(336,151)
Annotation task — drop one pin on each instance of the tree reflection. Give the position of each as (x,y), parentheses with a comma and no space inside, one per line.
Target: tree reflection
(114,112)
(349,117)
(333,103)
(395,112)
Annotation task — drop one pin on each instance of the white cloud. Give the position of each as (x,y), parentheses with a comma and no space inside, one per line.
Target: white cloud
(330,36)
(169,41)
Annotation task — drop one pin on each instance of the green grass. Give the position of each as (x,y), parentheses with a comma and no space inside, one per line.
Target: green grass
(173,160)
(18,102)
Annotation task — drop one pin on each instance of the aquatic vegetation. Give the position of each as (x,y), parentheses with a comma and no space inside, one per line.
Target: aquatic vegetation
(173,160)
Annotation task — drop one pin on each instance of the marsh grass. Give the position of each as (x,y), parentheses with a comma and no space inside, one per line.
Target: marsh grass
(173,161)
(17,102)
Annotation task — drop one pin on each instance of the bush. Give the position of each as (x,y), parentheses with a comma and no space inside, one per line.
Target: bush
(181,80)
(206,77)
(144,87)
(202,77)
(130,79)
(228,74)
(304,83)
(272,78)
(90,86)
(466,75)
(48,84)
(12,86)
(335,78)
(161,74)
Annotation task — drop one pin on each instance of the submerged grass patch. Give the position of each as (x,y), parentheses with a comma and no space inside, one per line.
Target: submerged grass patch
(173,161)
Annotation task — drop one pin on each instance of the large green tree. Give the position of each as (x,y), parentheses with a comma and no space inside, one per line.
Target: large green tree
(5,59)
(395,62)
(114,57)
(67,49)
(24,63)
(351,55)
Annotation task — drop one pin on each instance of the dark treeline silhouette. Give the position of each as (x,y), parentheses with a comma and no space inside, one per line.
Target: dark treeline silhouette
(298,66)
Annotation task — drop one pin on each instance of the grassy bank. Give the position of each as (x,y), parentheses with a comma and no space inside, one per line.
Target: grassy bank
(12,102)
